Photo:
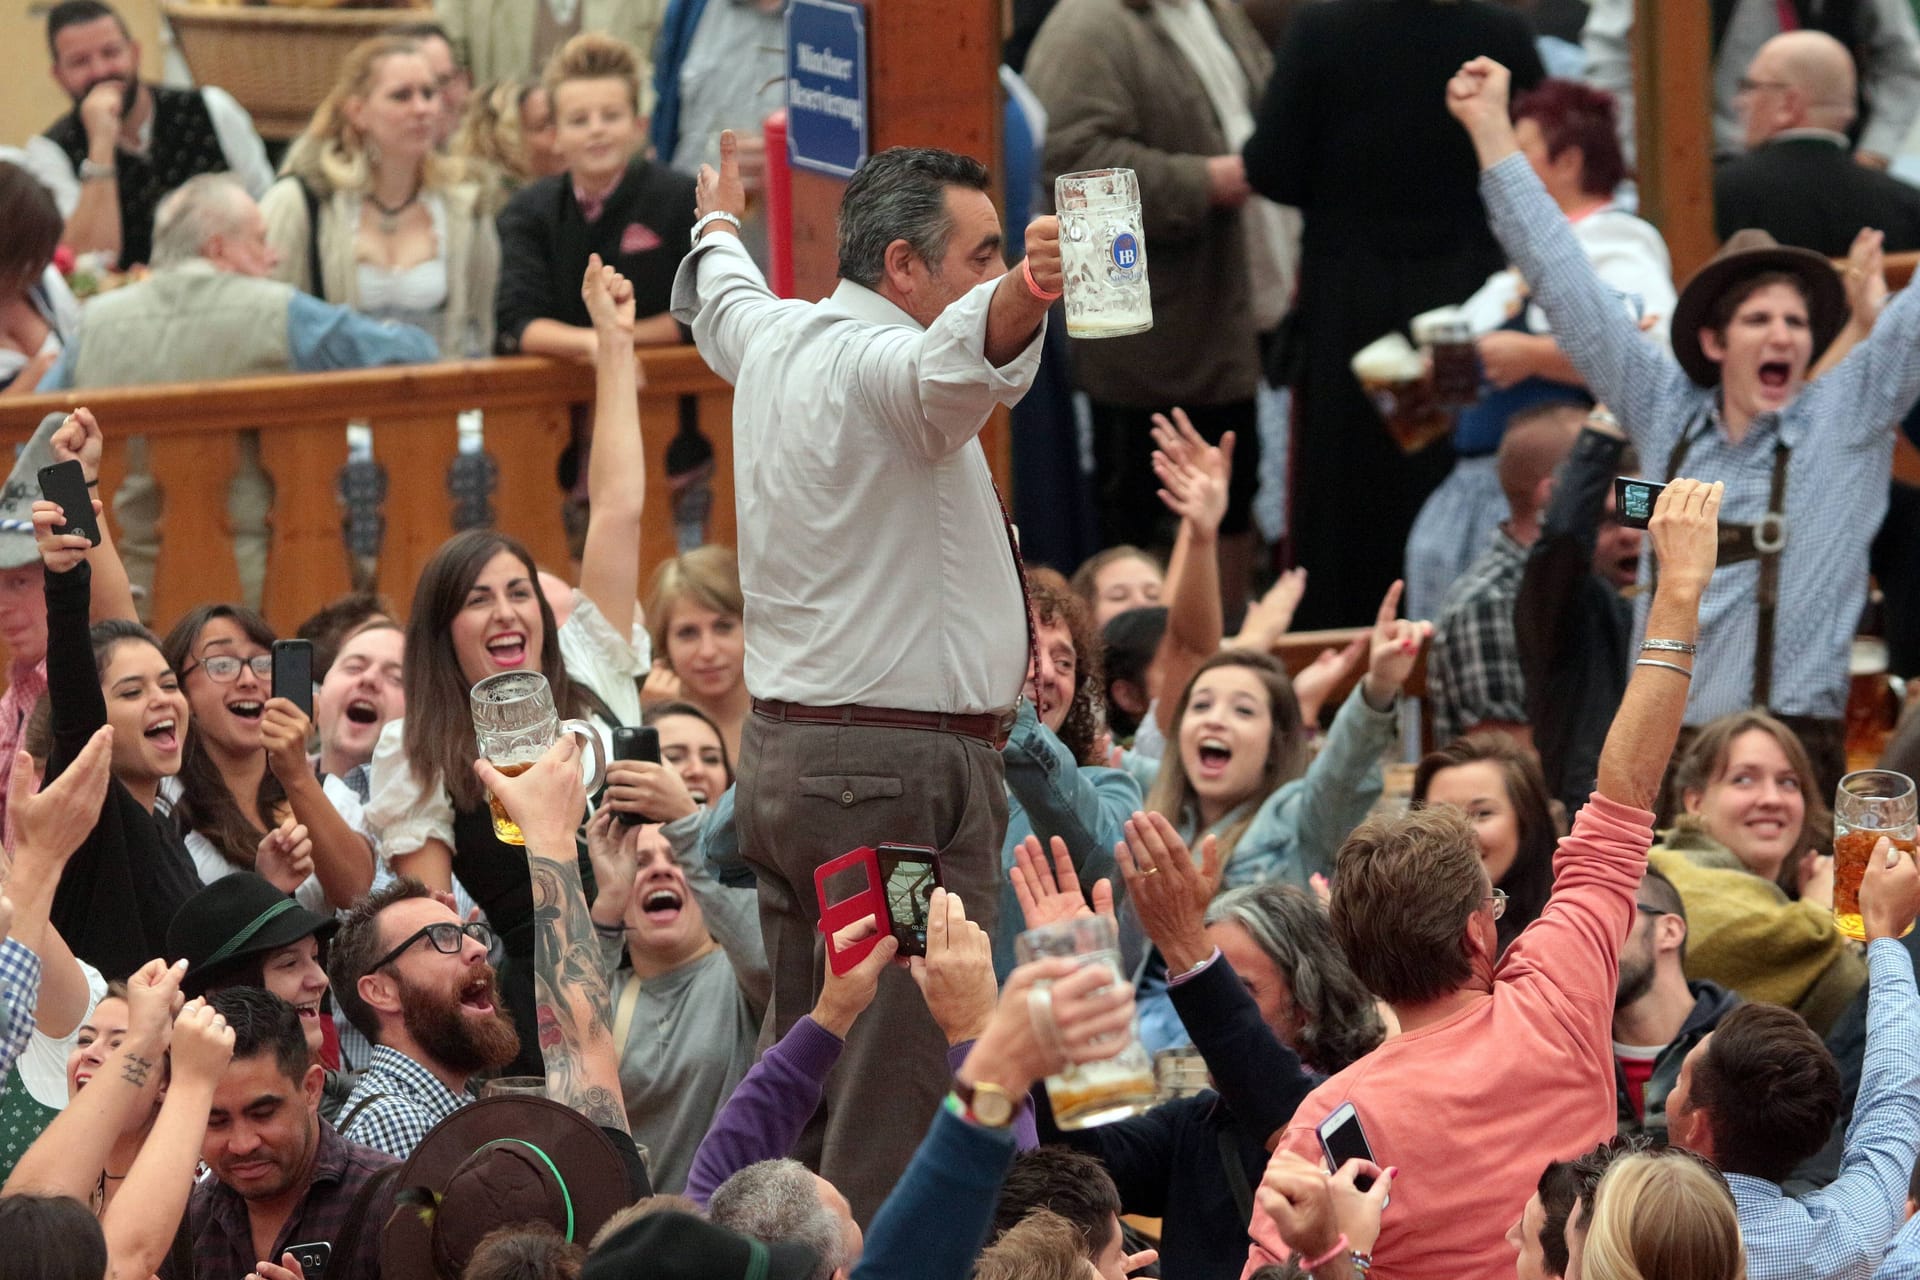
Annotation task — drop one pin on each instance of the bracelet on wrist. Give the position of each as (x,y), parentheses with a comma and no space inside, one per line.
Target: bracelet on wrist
(1339,1247)
(1669,646)
(1664,666)
(1033,286)
(1362,1262)
(610,931)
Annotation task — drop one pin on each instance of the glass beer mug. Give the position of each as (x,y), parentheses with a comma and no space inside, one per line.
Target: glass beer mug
(514,722)
(1868,804)
(1090,1093)
(1103,253)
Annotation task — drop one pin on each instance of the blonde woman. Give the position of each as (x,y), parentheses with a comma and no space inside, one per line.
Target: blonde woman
(1664,1215)
(505,139)
(368,215)
(694,609)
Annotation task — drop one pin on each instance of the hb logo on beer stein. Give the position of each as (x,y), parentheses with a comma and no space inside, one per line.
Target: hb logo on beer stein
(1126,253)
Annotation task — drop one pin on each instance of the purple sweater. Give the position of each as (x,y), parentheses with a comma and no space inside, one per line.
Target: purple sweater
(772,1104)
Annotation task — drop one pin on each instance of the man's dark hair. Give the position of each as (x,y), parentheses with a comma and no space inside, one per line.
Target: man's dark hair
(1735,296)
(1565,1183)
(1770,1088)
(264,1023)
(1658,892)
(357,945)
(426,29)
(901,194)
(337,620)
(51,1238)
(74,13)
(1075,1186)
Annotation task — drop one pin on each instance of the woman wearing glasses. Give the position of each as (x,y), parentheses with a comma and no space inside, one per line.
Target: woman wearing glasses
(126,880)
(247,796)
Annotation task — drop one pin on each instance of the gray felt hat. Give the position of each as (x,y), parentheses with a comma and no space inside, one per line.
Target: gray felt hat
(23,490)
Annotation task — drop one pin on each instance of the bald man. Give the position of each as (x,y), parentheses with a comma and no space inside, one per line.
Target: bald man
(1473,669)
(1797,180)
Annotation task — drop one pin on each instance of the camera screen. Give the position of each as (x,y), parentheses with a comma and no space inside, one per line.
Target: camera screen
(1639,503)
(910,887)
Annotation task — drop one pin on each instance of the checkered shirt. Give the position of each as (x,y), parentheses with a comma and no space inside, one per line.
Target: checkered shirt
(1841,1231)
(1473,673)
(1839,430)
(19,992)
(396,1102)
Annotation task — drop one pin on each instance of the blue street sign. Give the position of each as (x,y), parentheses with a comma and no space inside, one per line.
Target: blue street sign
(826,86)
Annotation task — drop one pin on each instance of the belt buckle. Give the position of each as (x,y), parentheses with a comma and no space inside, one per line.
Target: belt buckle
(1770,533)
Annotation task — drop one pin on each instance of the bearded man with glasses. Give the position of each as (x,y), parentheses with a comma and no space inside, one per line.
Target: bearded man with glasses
(415,979)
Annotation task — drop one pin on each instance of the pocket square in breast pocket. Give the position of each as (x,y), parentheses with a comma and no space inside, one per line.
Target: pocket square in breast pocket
(638,238)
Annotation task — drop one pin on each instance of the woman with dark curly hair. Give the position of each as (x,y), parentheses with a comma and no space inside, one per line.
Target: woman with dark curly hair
(1500,788)
(1058,782)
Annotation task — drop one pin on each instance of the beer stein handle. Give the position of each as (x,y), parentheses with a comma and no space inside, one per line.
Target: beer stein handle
(585,732)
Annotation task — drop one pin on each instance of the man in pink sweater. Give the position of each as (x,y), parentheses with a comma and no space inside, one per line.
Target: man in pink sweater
(1501,1067)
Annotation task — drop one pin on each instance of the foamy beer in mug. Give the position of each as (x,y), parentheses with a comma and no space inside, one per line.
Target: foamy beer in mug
(1868,804)
(1397,380)
(1103,253)
(514,722)
(1090,1093)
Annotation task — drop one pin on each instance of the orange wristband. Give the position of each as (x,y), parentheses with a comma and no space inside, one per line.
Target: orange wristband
(1026,269)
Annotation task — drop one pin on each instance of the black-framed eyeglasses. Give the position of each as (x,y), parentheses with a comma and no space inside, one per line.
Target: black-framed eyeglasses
(445,937)
(1499,900)
(1754,86)
(225,668)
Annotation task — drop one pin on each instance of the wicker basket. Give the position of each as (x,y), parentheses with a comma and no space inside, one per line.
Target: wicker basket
(278,62)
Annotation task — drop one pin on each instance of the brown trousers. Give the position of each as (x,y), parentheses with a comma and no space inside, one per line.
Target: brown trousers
(807,794)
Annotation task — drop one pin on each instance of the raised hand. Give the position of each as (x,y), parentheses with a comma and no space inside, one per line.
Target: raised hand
(1043,253)
(52,824)
(1393,649)
(59,552)
(956,974)
(1169,892)
(613,849)
(202,1042)
(1686,533)
(1269,617)
(1477,96)
(721,191)
(548,800)
(609,298)
(1049,894)
(284,731)
(643,789)
(284,855)
(1196,477)
(1866,278)
(1318,679)
(80,439)
(845,996)
(1889,891)
(153,998)
(1081,1018)
(1313,1209)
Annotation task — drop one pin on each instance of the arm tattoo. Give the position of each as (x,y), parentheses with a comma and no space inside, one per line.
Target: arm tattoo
(574,1006)
(135,1070)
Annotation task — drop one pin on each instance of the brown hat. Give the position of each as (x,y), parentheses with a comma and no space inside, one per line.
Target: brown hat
(1747,254)
(496,1163)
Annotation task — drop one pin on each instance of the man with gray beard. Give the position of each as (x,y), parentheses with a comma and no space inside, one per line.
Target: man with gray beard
(415,980)
(1658,1015)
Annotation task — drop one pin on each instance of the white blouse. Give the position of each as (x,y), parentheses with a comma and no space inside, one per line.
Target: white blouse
(405,815)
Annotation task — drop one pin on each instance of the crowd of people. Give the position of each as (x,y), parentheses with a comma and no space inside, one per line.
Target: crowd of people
(316,984)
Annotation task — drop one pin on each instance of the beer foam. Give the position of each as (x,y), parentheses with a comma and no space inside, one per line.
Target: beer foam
(1389,359)
(1438,325)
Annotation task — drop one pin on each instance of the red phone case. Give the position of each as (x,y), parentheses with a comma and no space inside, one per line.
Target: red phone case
(871,901)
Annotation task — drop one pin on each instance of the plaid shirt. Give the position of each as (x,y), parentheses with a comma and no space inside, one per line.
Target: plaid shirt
(222,1233)
(1839,430)
(1473,673)
(19,992)
(1840,1231)
(396,1102)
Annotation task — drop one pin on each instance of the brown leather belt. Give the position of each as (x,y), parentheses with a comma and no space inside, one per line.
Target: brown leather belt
(988,727)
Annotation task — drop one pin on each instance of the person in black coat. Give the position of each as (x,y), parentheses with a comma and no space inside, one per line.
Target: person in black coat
(1354,131)
(1799,180)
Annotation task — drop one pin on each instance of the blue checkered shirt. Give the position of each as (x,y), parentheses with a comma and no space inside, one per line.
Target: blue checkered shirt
(1839,429)
(1473,671)
(19,992)
(1840,1231)
(396,1102)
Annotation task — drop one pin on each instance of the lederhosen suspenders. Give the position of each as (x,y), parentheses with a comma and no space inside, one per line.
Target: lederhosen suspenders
(1763,540)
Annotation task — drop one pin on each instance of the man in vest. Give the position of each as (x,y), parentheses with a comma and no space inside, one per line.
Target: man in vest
(1880,34)
(209,312)
(126,144)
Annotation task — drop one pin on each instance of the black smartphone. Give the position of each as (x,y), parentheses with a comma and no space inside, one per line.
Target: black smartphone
(293,673)
(1342,1138)
(910,874)
(66,484)
(640,742)
(313,1258)
(1633,500)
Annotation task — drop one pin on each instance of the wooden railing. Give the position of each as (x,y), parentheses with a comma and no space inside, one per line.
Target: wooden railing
(413,412)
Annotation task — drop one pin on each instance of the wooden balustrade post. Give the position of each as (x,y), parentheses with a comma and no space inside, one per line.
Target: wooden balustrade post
(1673,104)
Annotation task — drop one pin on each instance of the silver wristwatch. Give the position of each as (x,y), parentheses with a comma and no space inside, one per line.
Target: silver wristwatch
(91,172)
(718,215)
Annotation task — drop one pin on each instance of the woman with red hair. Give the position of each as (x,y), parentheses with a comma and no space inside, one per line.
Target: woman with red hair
(1567,131)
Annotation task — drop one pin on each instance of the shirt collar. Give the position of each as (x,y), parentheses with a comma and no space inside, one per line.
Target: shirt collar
(862,303)
(1812,135)
(1783,425)
(387,1060)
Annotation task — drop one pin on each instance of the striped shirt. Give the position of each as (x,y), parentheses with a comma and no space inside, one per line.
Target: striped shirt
(1839,430)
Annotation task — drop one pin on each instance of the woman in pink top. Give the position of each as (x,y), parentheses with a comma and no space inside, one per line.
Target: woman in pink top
(1499,1068)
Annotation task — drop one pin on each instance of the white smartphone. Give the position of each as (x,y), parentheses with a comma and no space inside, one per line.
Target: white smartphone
(1342,1138)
